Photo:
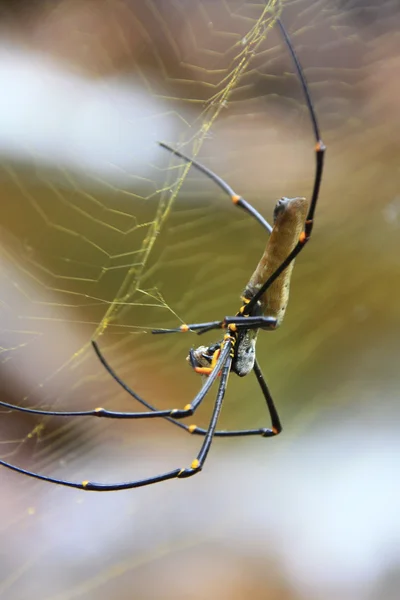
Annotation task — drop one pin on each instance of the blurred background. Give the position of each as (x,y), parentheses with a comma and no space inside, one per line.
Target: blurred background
(104,235)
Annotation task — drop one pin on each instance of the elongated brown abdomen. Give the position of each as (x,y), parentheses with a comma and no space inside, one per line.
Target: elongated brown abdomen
(289,218)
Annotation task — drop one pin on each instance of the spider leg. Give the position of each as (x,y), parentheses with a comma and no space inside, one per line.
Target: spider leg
(275,421)
(192,327)
(193,429)
(194,468)
(246,322)
(236,199)
(187,411)
(319,164)
(276,426)
(189,428)
(239,322)
(199,461)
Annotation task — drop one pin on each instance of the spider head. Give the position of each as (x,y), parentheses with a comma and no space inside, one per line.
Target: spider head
(202,356)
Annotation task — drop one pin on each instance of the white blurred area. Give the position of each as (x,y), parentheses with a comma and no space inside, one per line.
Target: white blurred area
(59,118)
(66,109)
(319,513)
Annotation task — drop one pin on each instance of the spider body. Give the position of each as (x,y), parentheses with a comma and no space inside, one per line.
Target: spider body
(289,217)
(264,303)
(203,358)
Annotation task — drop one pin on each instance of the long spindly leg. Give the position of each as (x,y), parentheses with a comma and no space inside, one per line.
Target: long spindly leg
(319,164)
(236,199)
(238,322)
(189,428)
(199,461)
(194,468)
(275,428)
(194,429)
(177,413)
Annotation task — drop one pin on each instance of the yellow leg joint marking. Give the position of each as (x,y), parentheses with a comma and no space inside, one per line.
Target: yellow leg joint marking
(99,409)
(85,483)
(192,428)
(184,327)
(180,472)
(228,337)
(195,464)
(236,199)
(242,308)
(302,237)
(232,327)
(187,407)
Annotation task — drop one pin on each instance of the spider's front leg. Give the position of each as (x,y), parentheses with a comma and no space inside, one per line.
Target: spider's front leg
(232,323)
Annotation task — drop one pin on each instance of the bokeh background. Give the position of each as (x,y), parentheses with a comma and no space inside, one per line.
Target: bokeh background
(104,235)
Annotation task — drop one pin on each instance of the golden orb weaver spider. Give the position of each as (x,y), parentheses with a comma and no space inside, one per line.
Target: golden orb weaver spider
(264,302)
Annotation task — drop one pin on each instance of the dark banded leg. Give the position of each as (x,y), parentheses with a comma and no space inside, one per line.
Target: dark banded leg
(236,199)
(93,486)
(319,165)
(189,409)
(193,429)
(276,426)
(238,322)
(195,467)
(177,413)
(199,461)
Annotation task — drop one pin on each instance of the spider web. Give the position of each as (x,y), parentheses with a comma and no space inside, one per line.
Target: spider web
(105,236)
(97,240)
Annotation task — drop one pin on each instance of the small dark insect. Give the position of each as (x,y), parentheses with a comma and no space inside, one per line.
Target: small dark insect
(264,302)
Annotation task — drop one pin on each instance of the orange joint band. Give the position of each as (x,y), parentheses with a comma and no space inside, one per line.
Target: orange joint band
(184,327)
(236,199)
(302,237)
(203,370)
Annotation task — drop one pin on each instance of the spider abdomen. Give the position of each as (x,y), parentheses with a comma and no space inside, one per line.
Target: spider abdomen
(289,217)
